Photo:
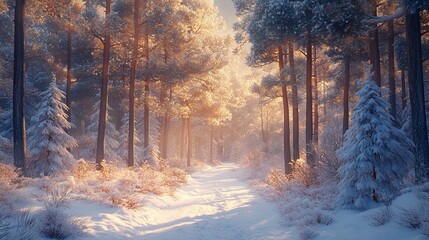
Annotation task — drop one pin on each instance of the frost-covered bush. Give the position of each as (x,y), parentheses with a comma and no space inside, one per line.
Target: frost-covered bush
(19,225)
(375,154)
(307,233)
(54,223)
(58,196)
(118,186)
(304,172)
(381,217)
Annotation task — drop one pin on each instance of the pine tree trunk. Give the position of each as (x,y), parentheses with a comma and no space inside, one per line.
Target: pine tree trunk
(166,132)
(403,90)
(69,80)
(316,101)
(188,160)
(101,138)
(131,119)
(295,110)
(19,136)
(417,96)
(182,139)
(374,51)
(309,103)
(392,86)
(286,129)
(146,89)
(346,93)
(211,143)
(263,134)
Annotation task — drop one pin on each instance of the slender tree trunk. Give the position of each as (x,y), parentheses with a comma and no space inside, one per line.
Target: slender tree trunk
(346,93)
(69,80)
(188,160)
(182,139)
(286,129)
(374,51)
(166,133)
(417,96)
(392,86)
(295,110)
(316,101)
(19,136)
(146,90)
(309,103)
(261,116)
(101,138)
(211,143)
(131,123)
(403,90)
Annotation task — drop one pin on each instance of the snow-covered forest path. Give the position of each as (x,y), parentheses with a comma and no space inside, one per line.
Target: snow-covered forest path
(216,204)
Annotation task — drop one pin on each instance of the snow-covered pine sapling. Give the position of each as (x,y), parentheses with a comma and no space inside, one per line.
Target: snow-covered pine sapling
(375,154)
(48,140)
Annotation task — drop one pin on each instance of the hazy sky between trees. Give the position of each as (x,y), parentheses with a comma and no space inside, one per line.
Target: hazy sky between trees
(227,10)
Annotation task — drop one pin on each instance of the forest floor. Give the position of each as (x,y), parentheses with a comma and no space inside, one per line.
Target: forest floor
(217,203)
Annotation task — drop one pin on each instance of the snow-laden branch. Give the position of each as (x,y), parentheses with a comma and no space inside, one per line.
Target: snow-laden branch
(383,19)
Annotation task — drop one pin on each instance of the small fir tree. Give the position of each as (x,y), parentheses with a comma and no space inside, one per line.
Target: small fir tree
(375,154)
(48,140)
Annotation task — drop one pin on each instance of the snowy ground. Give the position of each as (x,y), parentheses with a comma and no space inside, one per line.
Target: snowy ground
(216,204)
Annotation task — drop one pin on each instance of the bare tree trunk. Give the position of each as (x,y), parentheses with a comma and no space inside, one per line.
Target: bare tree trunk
(211,143)
(316,101)
(101,138)
(286,129)
(131,123)
(392,86)
(69,80)
(403,90)
(346,93)
(261,116)
(146,90)
(417,96)
(374,51)
(309,103)
(188,160)
(295,110)
(166,133)
(19,136)
(182,139)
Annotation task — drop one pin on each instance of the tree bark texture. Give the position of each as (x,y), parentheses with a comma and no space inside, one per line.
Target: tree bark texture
(101,138)
(295,109)
(417,96)
(286,128)
(19,136)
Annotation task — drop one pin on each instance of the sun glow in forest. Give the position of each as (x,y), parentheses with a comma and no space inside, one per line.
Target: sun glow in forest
(214,119)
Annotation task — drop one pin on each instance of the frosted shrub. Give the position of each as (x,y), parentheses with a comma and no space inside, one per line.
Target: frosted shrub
(307,233)
(304,173)
(276,179)
(58,195)
(19,225)
(56,224)
(82,169)
(381,217)
(118,186)
(410,218)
